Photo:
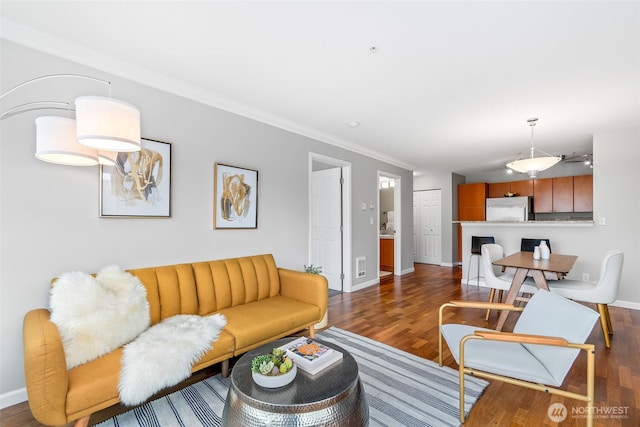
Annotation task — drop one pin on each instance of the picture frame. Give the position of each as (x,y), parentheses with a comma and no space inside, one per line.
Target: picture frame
(235,197)
(137,184)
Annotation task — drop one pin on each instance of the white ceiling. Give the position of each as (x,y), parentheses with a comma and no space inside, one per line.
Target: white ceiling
(449,87)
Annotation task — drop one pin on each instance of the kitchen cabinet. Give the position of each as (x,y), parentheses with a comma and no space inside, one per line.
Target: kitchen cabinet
(521,188)
(471,201)
(386,254)
(583,193)
(563,194)
(471,206)
(543,195)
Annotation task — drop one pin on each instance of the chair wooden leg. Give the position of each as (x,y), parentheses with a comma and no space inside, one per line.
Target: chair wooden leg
(224,367)
(603,323)
(492,293)
(312,331)
(461,372)
(609,327)
(500,295)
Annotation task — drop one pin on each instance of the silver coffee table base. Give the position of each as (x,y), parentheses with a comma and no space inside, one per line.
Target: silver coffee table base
(333,397)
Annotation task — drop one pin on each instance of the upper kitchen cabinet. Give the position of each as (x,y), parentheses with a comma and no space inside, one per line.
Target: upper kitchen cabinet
(583,193)
(471,201)
(520,188)
(499,189)
(563,194)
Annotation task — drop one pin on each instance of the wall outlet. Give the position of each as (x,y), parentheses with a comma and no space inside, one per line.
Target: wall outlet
(585,277)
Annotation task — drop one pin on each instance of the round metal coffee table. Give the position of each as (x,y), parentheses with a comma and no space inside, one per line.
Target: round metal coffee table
(332,397)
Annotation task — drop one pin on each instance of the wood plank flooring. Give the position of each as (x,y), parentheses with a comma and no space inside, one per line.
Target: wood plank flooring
(403,312)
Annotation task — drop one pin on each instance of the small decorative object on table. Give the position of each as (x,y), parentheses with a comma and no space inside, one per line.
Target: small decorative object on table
(310,355)
(274,369)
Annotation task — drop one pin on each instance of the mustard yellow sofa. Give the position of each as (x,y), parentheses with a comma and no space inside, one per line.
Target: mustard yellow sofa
(260,301)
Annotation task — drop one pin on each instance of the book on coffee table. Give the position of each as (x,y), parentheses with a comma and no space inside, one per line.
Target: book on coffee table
(310,355)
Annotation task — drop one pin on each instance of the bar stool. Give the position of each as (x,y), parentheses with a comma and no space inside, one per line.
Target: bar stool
(476,250)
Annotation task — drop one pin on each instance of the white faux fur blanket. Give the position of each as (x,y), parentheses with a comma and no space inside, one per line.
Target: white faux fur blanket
(96,315)
(164,354)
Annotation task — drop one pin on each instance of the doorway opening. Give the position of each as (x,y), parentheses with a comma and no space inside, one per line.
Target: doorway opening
(330,220)
(390,225)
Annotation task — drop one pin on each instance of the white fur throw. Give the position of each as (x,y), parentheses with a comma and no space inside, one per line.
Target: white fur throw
(96,315)
(164,354)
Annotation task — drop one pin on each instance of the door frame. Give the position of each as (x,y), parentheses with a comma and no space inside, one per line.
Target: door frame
(397,209)
(347,270)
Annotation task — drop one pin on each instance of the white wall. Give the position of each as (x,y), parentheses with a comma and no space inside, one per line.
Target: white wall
(49,220)
(616,198)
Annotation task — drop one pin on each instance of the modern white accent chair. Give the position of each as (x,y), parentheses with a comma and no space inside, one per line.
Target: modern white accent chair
(600,293)
(538,354)
(497,280)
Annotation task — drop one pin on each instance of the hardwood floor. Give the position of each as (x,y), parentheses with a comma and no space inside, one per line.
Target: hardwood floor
(403,312)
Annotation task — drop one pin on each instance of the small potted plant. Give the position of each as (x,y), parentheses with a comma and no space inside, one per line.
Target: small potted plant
(313,269)
(274,369)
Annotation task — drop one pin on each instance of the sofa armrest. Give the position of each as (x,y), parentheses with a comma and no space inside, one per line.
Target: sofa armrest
(45,368)
(306,287)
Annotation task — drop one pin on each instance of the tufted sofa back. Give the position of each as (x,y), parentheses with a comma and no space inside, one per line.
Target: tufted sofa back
(209,286)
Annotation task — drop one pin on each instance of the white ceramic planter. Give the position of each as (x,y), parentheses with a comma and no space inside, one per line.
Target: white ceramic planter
(274,381)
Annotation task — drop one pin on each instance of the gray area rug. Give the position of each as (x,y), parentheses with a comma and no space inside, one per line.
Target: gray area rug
(402,390)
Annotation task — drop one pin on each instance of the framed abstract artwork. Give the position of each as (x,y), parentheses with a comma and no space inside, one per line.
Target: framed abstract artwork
(137,184)
(235,197)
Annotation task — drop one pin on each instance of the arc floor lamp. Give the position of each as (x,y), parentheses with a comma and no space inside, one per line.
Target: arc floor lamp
(102,126)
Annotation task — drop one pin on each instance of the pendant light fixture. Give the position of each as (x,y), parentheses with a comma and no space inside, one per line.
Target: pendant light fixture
(532,165)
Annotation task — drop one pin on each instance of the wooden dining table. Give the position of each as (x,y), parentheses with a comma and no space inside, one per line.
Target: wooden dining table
(524,264)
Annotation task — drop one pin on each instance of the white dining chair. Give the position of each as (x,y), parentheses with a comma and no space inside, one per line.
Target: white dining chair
(600,293)
(495,279)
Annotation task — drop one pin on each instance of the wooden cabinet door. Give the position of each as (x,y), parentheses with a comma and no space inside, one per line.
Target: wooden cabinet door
(386,254)
(543,195)
(583,193)
(498,189)
(522,188)
(472,195)
(563,194)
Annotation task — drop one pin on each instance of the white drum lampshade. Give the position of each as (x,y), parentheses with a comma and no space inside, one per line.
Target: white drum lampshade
(107,158)
(107,124)
(56,142)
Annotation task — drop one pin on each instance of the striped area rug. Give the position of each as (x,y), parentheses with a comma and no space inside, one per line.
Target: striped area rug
(402,390)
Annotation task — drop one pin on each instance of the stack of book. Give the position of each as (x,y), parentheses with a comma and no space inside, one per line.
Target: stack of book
(310,355)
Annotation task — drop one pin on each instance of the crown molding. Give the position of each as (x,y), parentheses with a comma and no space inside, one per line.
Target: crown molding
(54,46)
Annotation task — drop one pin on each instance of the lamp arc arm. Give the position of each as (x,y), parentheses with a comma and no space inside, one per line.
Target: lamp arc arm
(53,76)
(37,105)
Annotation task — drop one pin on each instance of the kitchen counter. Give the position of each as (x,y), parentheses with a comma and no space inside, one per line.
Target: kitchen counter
(575,223)
(566,237)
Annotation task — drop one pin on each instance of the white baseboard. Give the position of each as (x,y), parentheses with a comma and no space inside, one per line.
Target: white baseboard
(626,304)
(407,271)
(365,285)
(13,398)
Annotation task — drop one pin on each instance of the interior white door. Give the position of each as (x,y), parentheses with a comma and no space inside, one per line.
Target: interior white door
(326,222)
(430,234)
(416,225)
